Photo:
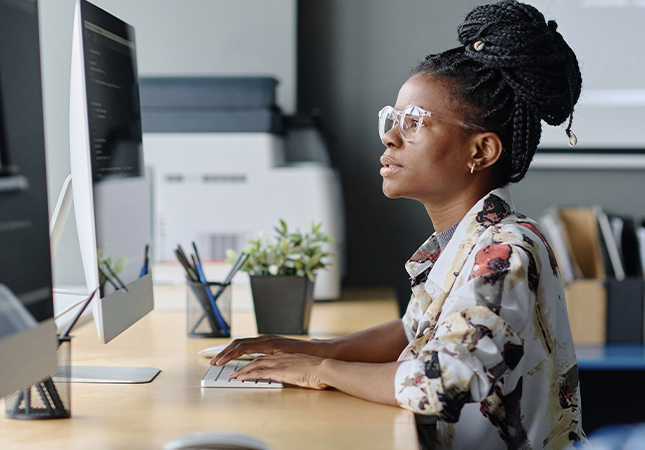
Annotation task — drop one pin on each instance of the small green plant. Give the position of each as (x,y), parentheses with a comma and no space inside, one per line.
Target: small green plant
(292,253)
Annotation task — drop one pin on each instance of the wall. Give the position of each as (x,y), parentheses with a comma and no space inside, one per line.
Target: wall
(618,191)
(353,58)
(612,105)
(188,37)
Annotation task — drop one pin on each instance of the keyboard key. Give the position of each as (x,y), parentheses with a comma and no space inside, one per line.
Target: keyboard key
(218,376)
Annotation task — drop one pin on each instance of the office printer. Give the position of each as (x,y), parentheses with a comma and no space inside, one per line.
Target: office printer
(224,166)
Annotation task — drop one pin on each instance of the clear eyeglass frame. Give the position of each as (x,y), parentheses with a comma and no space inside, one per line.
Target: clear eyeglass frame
(410,120)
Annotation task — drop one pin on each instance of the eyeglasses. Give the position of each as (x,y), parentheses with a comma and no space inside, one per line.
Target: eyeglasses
(410,121)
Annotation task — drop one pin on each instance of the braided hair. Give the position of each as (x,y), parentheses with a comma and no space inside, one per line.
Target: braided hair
(512,71)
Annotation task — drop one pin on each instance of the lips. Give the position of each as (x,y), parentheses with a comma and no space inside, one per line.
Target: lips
(390,166)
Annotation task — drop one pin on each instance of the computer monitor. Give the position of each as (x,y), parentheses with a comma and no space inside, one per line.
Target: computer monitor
(111,198)
(27,331)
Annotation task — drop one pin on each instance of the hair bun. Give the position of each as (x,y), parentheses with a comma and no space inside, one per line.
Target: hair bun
(533,57)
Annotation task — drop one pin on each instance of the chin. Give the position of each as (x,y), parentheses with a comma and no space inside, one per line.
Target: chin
(389,193)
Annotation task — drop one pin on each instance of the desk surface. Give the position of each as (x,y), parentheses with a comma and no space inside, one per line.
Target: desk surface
(146,416)
(611,357)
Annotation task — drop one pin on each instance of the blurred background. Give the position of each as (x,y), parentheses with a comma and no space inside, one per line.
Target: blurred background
(341,61)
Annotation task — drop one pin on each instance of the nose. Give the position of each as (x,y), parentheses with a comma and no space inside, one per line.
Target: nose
(392,138)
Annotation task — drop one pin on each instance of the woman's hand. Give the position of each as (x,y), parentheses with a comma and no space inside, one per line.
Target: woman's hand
(379,344)
(296,369)
(268,345)
(369,381)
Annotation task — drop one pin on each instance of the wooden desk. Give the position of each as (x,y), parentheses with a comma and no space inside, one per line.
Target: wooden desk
(611,357)
(146,416)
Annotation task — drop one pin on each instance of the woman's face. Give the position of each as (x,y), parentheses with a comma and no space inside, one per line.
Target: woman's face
(434,166)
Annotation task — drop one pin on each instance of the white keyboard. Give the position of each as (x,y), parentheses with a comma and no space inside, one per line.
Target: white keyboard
(217,376)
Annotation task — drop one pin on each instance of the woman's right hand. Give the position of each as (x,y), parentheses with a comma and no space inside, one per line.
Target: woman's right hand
(266,344)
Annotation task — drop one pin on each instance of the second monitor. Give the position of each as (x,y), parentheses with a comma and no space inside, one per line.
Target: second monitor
(111,199)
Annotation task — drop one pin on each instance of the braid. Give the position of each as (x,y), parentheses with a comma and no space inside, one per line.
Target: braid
(526,130)
(525,73)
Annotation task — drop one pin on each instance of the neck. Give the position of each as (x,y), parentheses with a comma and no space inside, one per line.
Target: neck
(452,208)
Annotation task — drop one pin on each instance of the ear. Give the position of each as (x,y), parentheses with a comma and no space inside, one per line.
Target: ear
(486,150)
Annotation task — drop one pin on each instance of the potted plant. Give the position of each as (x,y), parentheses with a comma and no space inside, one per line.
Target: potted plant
(282,274)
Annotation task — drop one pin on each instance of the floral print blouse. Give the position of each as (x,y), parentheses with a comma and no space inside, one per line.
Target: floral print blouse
(490,351)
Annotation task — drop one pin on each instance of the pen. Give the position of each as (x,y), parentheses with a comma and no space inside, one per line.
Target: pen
(200,274)
(214,309)
(196,253)
(190,274)
(183,255)
(209,293)
(144,269)
(236,266)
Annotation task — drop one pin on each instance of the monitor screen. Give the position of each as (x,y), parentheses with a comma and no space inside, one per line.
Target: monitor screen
(25,265)
(114,117)
(24,221)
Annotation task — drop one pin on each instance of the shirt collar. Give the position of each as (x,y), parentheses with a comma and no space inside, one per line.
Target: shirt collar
(488,211)
(444,237)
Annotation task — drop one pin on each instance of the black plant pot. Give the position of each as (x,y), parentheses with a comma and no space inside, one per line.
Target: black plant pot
(282,303)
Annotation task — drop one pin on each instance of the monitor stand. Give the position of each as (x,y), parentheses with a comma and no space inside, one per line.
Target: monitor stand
(113,375)
(91,374)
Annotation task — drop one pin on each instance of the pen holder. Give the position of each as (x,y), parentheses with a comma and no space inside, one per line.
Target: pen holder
(51,397)
(202,320)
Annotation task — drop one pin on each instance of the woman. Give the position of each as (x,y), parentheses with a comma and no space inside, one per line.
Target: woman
(485,344)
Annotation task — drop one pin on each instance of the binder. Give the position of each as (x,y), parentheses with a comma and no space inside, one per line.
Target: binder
(640,236)
(625,307)
(612,255)
(629,246)
(580,225)
(624,310)
(586,296)
(606,305)
(557,236)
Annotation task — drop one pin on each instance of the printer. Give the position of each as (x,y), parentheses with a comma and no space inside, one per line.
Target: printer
(224,166)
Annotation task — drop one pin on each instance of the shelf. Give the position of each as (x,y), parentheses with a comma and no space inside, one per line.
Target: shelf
(611,357)
(589,161)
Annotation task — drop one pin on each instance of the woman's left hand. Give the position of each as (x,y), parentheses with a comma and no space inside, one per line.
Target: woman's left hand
(291,368)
